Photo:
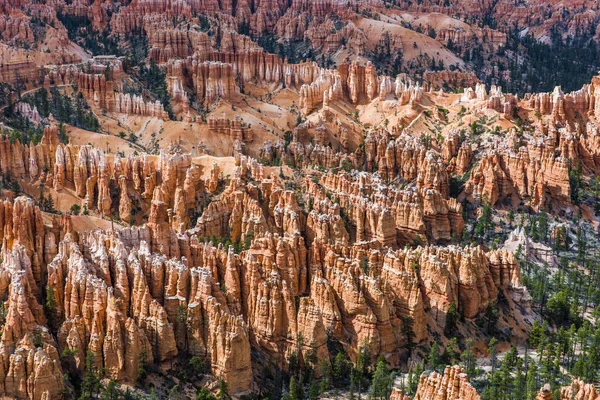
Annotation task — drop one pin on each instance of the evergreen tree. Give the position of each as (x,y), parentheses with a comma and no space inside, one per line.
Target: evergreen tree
(409,334)
(175,393)
(50,305)
(341,370)
(558,308)
(111,392)
(493,352)
(537,334)
(205,394)
(581,245)
(313,390)
(382,383)
(413,378)
(361,369)
(91,385)
(468,359)
(62,134)
(452,353)
(433,359)
(451,319)
(296,391)
(351,390)
(223,390)
(520,380)
(490,318)
(532,382)
(325,376)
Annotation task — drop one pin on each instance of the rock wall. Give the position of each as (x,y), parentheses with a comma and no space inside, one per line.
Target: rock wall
(30,357)
(578,390)
(120,294)
(210,80)
(236,129)
(563,106)
(399,216)
(534,173)
(454,79)
(359,84)
(453,385)
(494,100)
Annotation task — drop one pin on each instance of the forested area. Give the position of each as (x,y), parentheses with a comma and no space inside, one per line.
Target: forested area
(565,343)
(69,109)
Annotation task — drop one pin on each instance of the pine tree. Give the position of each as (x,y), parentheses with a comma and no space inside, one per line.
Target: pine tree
(451,319)
(414,377)
(510,358)
(381,384)
(325,376)
(91,385)
(205,394)
(313,390)
(50,305)
(111,392)
(581,245)
(490,318)
(142,365)
(223,390)
(493,352)
(296,391)
(520,380)
(409,334)
(433,359)
(351,391)
(362,368)
(537,335)
(511,218)
(175,393)
(452,352)
(468,359)
(532,382)
(341,370)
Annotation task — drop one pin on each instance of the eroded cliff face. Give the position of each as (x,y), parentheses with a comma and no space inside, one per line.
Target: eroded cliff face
(535,166)
(136,299)
(300,266)
(31,367)
(535,174)
(344,226)
(114,299)
(539,16)
(452,385)
(579,390)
